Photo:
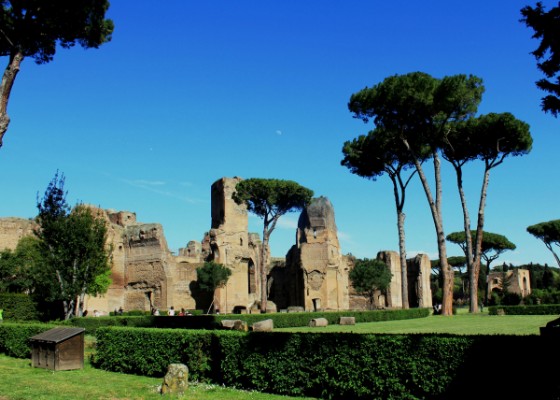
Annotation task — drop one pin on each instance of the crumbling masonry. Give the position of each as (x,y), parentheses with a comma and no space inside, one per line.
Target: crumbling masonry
(312,276)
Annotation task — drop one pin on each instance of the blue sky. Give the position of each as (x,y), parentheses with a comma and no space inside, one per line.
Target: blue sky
(190,92)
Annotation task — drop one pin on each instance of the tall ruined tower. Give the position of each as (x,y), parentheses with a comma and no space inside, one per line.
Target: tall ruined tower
(322,283)
(231,245)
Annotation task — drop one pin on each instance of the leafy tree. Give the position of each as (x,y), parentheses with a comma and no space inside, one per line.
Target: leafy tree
(270,199)
(73,249)
(546,25)
(16,266)
(212,276)
(369,275)
(492,246)
(419,110)
(490,138)
(547,278)
(373,155)
(549,233)
(34,28)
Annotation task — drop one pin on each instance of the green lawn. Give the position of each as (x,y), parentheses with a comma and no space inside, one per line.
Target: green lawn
(461,324)
(20,381)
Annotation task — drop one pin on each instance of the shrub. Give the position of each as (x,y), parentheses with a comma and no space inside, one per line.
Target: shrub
(18,307)
(14,338)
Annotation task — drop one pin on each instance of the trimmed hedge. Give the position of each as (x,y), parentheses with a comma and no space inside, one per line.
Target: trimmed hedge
(340,365)
(14,338)
(543,309)
(90,324)
(280,320)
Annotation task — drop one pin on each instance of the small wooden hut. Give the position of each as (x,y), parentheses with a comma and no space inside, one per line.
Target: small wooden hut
(58,349)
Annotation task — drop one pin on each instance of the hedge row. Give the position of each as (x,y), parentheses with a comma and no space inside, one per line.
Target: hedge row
(340,365)
(14,338)
(280,320)
(543,309)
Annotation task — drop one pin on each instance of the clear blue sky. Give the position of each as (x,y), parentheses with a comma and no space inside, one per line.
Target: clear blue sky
(188,92)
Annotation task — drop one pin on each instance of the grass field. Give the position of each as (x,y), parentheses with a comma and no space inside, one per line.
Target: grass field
(461,324)
(20,381)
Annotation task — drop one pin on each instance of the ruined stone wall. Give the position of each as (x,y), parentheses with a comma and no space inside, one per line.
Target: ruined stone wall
(324,269)
(314,274)
(12,229)
(518,281)
(232,246)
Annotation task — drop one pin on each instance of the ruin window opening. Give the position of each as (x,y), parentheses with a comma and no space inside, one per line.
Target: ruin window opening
(252,283)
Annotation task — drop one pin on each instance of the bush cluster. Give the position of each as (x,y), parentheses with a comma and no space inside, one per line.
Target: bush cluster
(14,338)
(331,365)
(18,307)
(543,309)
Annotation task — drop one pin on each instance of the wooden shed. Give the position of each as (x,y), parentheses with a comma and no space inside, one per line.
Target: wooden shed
(58,349)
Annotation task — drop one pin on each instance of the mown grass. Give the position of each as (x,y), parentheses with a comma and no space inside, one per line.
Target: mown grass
(461,324)
(20,381)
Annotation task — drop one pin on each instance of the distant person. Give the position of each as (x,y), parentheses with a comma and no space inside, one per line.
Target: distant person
(171,311)
(96,313)
(156,312)
(182,312)
(120,312)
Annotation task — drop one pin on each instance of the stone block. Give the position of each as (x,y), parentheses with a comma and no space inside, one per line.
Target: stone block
(263,326)
(316,322)
(176,380)
(240,326)
(234,324)
(347,321)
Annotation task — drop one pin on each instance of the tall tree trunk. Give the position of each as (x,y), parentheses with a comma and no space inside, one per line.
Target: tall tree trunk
(399,191)
(480,230)
(435,208)
(402,252)
(6,85)
(473,279)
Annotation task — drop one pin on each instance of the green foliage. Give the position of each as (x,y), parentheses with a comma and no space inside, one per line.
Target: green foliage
(150,351)
(14,338)
(369,275)
(72,245)
(268,198)
(91,324)
(549,233)
(212,276)
(546,25)
(491,242)
(18,307)
(545,309)
(16,267)
(35,28)
(330,365)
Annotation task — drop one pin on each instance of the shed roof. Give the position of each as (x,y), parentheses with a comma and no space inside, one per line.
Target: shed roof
(57,335)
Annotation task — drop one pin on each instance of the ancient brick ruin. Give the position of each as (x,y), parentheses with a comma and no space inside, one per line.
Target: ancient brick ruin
(312,276)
